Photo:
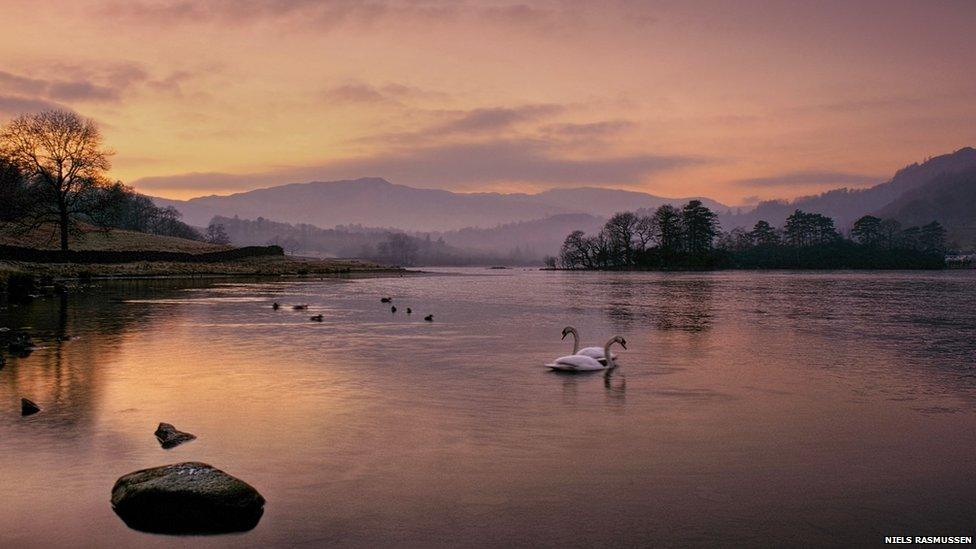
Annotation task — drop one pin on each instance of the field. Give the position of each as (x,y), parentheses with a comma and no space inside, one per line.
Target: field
(118,240)
(94,239)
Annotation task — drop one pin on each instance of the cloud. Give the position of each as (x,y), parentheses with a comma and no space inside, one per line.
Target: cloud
(87,83)
(356,93)
(82,91)
(21,84)
(76,83)
(12,105)
(320,14)
(472,123)
(496,118)
(327,15)
(861,105)
(454,166)
(801,178)
(588,130)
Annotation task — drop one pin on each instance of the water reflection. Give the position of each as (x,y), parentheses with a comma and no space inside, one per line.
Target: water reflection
(76,337)
(665,302)
(684,305)
(735,399)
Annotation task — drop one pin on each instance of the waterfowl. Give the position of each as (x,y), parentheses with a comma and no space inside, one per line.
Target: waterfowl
(583,363)
(316,318)
(386,299)
(429,318)
(592,352)
(408,310)
(300,307)
(276,305)
(393,309)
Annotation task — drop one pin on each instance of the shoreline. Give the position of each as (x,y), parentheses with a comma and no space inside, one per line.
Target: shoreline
(273,266)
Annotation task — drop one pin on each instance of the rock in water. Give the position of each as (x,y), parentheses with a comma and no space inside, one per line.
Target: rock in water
(27,407)
(20,342)
(170,437)
(186,498)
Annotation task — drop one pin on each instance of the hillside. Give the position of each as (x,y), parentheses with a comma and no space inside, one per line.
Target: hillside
(108,240)
(949,198)
(847,205)
(515,243)
(535,238)
(606,202)
(387,246)
(379,203)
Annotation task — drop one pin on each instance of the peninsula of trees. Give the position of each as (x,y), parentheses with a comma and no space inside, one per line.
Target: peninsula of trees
(690,238)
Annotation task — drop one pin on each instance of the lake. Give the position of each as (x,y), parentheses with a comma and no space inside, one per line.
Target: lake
(749,409)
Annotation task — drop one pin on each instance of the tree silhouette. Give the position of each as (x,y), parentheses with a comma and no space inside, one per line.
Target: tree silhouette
(763,234)
(14,194)
(867,230)
(575,251)
(932,237)
(61,156)
(621,231)
(667,228)
(699,227)
(216,234)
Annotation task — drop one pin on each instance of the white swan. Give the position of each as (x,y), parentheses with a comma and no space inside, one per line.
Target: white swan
(592,352)
(583,363)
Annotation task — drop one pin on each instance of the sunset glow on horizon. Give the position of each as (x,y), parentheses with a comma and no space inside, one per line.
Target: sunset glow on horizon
(734,101)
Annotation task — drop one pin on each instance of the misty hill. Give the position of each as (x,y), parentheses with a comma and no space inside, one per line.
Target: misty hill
(606,202)
(535,239)
(847,205)
(377,202)
(388,246)
(949,198)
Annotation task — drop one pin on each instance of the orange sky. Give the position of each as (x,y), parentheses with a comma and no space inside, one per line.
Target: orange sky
(732,100)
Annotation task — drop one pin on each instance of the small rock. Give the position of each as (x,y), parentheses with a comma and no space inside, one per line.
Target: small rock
(20,342)
(170,437)
(186,498)
(28,407)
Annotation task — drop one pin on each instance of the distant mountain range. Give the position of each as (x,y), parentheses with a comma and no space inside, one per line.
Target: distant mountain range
(378,203)
(847,205)
(535,238)
(942,188)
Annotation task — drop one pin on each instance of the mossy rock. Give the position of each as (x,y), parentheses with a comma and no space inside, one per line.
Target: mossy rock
(186,498)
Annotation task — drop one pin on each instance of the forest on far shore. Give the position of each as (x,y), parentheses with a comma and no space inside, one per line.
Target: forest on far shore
(690,238)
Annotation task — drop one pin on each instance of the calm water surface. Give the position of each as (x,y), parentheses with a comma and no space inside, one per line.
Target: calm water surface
(750,409)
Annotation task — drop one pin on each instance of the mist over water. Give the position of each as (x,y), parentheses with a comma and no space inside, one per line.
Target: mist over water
(749,409)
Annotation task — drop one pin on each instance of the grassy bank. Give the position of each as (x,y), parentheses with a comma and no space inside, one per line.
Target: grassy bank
(256,266)
(133,243)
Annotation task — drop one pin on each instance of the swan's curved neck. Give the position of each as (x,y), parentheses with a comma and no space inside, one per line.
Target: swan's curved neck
(575,340)
(606,353)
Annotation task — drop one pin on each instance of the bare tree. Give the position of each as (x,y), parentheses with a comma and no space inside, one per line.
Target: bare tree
(216,234)
(14,194)
(621,232)
(60,154)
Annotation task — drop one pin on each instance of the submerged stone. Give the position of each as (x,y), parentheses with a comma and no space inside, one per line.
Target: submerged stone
(19,342)
(27,407)
(186,498)
(170,437)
